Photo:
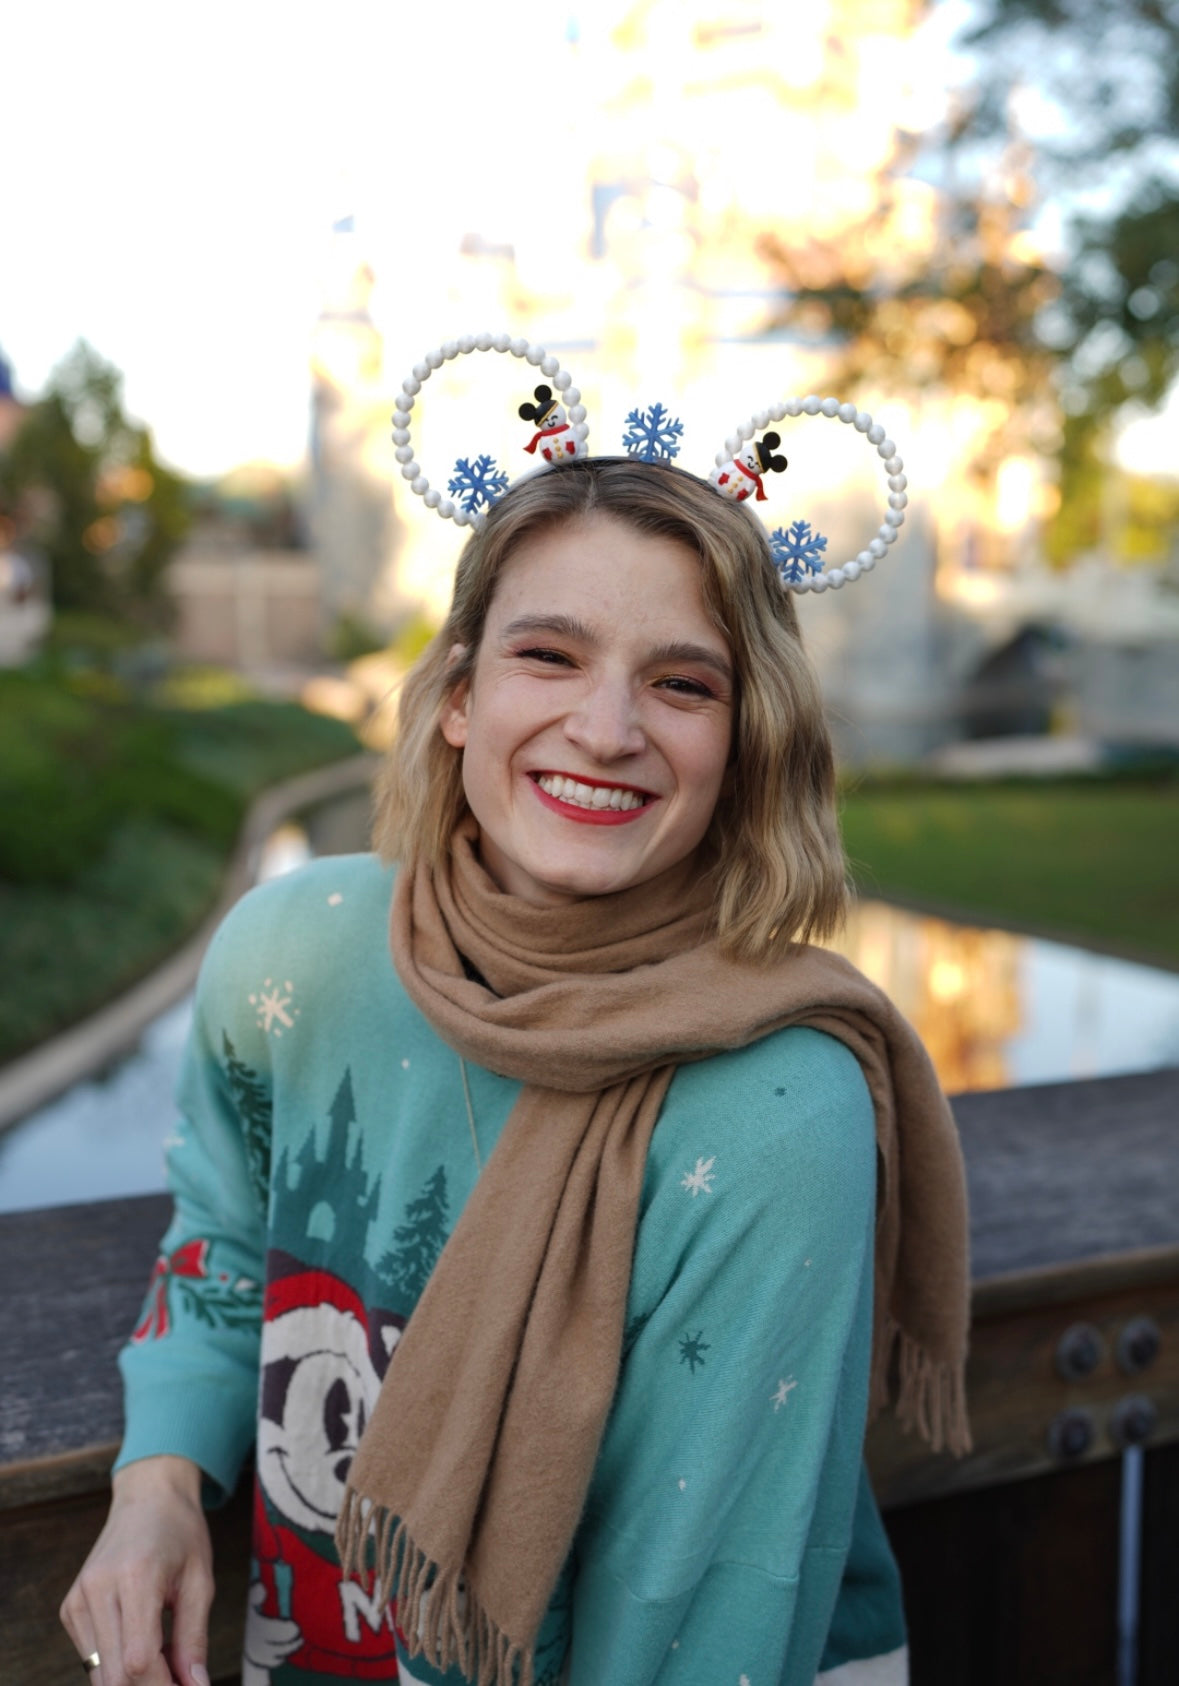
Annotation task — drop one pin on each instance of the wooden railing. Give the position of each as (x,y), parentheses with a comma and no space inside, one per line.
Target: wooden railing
(1010,1557)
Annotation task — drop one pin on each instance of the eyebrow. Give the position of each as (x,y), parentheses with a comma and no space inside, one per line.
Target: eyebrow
(568,626)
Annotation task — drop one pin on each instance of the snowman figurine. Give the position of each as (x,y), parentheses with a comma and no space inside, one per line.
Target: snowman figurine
(553,435)
(741,476)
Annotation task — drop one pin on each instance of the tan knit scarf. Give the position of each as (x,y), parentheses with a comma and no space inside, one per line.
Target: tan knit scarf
(468,1485)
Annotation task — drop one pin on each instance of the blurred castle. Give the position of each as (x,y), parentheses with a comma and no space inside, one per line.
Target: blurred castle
(352,515)
(650,277)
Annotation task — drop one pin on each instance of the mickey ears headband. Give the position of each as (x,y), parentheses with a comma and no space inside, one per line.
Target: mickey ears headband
(559,432)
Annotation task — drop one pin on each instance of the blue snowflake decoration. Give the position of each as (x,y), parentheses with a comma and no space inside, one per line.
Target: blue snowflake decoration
(478,484)
(797,551)
(652,434)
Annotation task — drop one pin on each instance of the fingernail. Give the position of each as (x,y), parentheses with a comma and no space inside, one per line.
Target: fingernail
(199,1674)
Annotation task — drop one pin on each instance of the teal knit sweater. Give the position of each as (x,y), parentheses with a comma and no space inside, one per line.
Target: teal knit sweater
(322,1157)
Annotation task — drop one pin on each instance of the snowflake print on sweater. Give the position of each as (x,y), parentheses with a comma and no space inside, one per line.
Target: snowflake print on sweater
(699,1181)
(272,1005)
(782,1393)
(692,1350)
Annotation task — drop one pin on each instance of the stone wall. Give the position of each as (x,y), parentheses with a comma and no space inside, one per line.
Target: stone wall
(254,610)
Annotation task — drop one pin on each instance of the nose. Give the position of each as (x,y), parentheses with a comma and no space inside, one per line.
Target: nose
(605,723)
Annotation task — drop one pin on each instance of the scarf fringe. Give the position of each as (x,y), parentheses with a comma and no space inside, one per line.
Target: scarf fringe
(930,1395)
(438,1615)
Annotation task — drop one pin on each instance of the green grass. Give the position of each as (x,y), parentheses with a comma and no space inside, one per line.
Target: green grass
(117,820)
(67,953)
(1089,861)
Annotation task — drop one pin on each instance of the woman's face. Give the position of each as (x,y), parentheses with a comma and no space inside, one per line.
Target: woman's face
(597,726)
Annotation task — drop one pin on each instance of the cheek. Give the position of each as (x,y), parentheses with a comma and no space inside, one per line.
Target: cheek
(510,713)
(704,759)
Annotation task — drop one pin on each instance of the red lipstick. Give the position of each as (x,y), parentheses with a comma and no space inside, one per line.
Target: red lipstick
(593,816)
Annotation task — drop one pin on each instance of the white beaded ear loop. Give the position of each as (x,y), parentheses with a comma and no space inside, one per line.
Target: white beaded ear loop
(797,549)
(563,395)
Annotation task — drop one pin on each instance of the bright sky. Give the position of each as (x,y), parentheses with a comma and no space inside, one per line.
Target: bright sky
(171,174)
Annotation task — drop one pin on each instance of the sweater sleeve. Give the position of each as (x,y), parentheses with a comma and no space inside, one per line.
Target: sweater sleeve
(724,1498)
(190,1367)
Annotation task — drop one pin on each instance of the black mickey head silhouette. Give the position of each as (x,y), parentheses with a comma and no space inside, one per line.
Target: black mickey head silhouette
(765,446)
(543,408)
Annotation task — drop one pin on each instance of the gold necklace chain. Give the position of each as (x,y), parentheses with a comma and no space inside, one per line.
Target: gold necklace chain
(470,1112)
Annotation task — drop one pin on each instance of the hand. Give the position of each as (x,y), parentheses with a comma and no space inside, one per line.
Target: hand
(154,1553)
(269,1640)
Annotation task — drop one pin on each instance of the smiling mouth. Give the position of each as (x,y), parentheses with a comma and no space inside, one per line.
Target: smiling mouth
(281,1458)
(596,798)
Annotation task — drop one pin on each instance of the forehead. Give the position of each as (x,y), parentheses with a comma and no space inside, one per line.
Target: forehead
(609,575)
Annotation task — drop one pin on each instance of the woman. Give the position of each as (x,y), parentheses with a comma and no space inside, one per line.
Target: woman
(621,1442)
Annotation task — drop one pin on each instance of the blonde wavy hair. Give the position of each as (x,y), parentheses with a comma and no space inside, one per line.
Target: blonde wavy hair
(774,842)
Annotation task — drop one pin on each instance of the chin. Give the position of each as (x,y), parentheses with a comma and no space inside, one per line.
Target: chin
(582,886)
(544,881)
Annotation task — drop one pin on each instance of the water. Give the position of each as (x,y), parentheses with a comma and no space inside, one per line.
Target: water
(100,1139)
(105,1138)
(997,1010)
(994,1009)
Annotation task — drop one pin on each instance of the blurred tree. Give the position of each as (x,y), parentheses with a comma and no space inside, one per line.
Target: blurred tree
(954,309)
(83,482)
(1063,136)
(1096,89)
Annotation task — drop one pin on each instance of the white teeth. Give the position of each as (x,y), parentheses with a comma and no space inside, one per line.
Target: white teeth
(589,795)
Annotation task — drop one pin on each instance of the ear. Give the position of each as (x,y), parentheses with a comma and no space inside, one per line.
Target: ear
(452,722)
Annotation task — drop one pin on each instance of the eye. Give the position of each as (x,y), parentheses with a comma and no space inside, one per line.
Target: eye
(337,1408)
(681,686)
(553,658)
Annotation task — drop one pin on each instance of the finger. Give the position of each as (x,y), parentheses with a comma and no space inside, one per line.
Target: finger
(75,1618)
(141,1612)
(91,1615)
(190,1625)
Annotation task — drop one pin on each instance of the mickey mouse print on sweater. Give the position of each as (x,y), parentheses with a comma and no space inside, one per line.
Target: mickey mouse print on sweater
(324,1354)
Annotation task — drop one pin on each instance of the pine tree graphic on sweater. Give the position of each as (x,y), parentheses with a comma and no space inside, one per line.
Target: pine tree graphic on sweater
(254,1111)
(420,1239)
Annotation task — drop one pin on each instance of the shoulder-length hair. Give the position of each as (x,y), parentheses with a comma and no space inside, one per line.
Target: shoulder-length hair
(778,862)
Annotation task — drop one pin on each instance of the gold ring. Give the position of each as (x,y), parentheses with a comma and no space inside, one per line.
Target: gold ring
(91,1662)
